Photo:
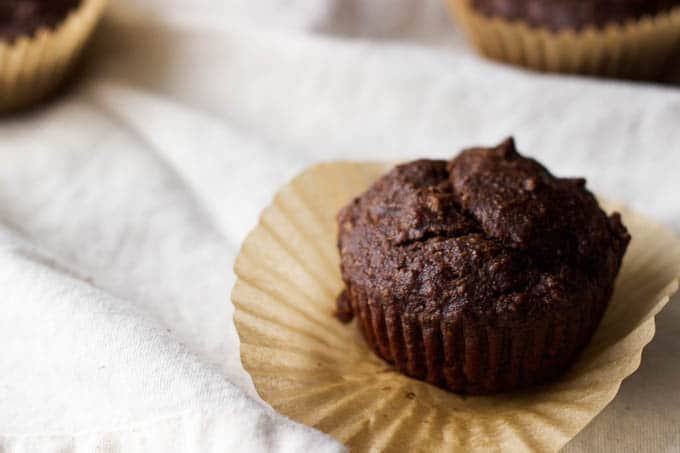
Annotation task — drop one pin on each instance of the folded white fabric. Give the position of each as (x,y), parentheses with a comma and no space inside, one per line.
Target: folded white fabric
(123,204)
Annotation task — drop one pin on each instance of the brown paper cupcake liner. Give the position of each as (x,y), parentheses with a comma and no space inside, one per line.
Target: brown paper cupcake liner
(31,67)
(319,372)
(637,49)
(469,357)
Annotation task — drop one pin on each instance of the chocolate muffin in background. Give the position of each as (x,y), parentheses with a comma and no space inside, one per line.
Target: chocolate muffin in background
(480,275)
(573,14)
(25,17)
(40,41)
(635,39)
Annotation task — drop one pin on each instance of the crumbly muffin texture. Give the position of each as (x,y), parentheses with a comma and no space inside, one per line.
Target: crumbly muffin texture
(481,274)
(572,14)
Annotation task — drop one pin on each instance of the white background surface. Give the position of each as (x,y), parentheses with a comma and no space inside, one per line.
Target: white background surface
(124,201)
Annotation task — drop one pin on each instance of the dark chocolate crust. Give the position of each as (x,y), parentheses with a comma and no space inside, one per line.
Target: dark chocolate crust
(480,275)
(25,17)
(573,14)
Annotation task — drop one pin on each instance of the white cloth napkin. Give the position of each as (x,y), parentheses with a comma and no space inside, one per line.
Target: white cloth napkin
(124,201)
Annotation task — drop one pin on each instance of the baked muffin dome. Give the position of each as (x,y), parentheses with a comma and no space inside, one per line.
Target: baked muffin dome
(572,14)
(480,275)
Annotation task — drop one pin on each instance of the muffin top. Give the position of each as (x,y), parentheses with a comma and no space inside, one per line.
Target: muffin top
(491,234)
(24,17)
(572,14)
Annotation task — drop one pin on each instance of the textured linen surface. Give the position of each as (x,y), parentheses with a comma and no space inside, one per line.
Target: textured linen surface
(123,203)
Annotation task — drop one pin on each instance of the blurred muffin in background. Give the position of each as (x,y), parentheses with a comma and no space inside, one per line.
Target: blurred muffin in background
(39,41)
(618,38)
(24,17)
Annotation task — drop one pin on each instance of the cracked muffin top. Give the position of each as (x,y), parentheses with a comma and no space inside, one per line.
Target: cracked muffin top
(490,233)
(572,14)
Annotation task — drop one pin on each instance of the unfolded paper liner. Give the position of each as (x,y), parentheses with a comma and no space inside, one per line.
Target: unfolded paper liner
(31,67)
(322,373)
(637,49)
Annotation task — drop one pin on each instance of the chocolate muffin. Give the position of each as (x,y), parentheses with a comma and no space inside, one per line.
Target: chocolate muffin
(480,275)
(25,17)
(573,14)
(638,39)
(40,41)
